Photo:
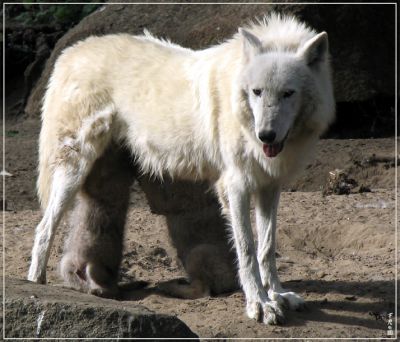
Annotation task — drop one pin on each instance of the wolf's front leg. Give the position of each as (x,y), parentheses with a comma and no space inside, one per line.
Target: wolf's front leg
(266,201)
(258,305)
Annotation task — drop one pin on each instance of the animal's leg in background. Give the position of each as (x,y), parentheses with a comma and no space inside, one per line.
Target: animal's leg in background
(258,305)
(93,250)
(266,201)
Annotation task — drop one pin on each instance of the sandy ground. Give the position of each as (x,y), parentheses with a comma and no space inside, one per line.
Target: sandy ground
(338,252)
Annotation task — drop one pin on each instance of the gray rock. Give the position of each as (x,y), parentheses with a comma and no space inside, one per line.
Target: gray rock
(33,310)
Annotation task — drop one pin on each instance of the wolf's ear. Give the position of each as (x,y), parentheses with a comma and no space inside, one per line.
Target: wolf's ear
(251,44)
(315,50)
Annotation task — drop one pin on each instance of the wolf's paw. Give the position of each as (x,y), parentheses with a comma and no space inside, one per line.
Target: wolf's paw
(268,312)
(36,277)
(287,299)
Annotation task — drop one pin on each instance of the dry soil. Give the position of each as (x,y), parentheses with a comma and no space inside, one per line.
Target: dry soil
(338,252)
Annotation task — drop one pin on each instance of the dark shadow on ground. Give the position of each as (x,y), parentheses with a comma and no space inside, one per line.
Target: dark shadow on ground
(382,289)
(354,294)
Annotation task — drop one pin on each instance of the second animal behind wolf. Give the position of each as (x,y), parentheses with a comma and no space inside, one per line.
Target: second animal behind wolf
(245,115)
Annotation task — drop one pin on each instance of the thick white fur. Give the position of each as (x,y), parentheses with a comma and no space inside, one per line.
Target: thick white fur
(189,114)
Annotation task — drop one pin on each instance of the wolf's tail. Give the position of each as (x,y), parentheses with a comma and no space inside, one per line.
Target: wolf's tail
(47,146)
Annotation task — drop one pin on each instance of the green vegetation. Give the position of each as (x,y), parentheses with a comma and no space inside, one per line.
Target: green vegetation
(64,14)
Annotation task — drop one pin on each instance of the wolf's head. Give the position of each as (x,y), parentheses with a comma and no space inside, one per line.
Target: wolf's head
(278,83)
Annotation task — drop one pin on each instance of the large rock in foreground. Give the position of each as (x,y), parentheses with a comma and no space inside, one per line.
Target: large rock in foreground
(33,310)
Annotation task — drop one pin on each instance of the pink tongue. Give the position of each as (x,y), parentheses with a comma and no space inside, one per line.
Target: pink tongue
(272,150)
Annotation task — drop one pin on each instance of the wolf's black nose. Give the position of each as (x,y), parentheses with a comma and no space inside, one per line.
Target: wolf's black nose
(267,137)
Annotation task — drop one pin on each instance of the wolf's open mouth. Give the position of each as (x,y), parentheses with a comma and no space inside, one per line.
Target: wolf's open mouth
(272,150)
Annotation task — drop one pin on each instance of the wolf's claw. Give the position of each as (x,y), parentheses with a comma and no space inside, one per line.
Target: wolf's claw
(268,312)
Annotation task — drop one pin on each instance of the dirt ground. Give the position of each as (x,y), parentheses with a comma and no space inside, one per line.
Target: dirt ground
(338,252)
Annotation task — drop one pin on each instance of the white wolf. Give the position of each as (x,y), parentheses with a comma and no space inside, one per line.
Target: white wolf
(244,115)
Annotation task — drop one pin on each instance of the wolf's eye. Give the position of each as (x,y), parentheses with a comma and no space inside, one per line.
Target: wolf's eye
(257,92)
(288,93)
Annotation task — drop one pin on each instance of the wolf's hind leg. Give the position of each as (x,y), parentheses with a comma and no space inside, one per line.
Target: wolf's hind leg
(64,187)
(74,157)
